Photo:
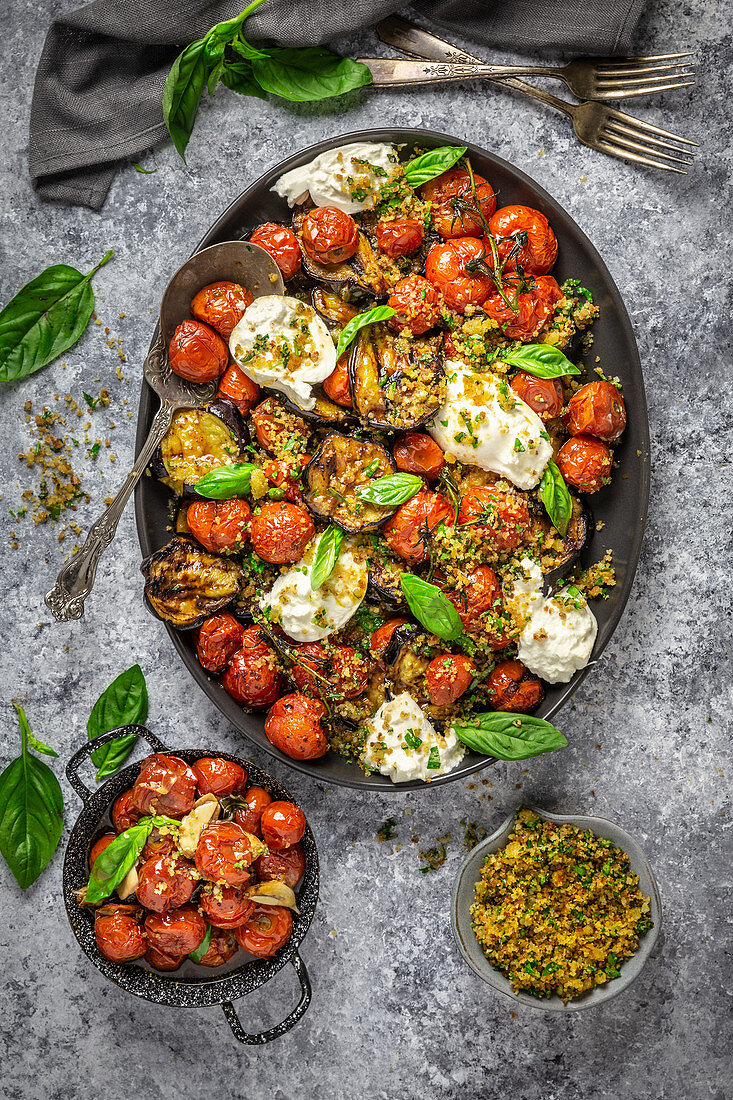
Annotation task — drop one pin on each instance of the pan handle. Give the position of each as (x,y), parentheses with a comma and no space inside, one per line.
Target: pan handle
(72,768)
(262,1037)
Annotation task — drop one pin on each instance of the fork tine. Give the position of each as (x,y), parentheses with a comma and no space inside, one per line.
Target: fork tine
(613,72)
(637,81)
(647,127)
(625,154)
(627,144)
(650,57)
(619,127)
(650,89)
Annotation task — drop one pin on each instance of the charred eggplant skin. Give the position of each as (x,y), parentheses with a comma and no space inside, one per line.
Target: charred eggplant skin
(333,310)
(187,420)
(325,413)
(340,467)
(384,582)
(184,583)
(578,536)
(396,385)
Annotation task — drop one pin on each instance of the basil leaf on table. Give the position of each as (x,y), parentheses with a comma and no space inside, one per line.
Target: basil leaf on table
(226,482)
(119,857)
(541,360)
(123,703)
(556,498)
(368,317)
(237,76)
(45,318)
(509,736)
(203,947)
(31,809)
(433,163)
(431,607)
(326,556)
(308,74)
(392,490)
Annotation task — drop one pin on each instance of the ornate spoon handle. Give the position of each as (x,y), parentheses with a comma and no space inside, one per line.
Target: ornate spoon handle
(74,582)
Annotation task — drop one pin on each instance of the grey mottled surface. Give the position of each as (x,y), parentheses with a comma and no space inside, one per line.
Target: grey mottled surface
(395,1013)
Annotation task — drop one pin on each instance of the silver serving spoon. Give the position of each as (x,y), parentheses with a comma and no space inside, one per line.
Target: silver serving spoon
(233,261)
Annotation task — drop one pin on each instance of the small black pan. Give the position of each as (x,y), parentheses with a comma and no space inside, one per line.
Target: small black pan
(192,986)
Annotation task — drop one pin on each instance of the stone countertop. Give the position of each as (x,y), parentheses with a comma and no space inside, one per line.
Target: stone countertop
(395,1012)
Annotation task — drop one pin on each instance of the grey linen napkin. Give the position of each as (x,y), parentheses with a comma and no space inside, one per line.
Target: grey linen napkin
(99,84)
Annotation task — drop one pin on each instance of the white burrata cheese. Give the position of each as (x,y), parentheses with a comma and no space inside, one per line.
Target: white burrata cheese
(282,343)
(387,751)
(307,615)
(484,423)
(558,632)
(348,177)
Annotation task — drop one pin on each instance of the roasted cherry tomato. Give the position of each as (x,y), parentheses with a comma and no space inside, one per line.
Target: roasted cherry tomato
(417,305)
(219,776)
(382,636)
(124,813)
(217,640)
(401,237)
(448,677)
(281,531)
(161,961)
(451,268)
(543,395)
(249,819)
(585,462)
(287,865)
(329,235)
(225,851)
(176,933)
(166,785)
(99,845)
(512,687)
(408,532)
(533,308)
(418,453)
(282,825)
(538,254)
(222,306)
(293,725)
(450,193)
(286,476)
(346,670)
(238,388)
(165,882)
(252,677)
(159,843)
(222,946)
(118,933)
(498,518)
(282,244)
(266,931)
(225,906)
(596,409)
(220,525)
(269,428)
(480,607)
(197,353)
(337,383)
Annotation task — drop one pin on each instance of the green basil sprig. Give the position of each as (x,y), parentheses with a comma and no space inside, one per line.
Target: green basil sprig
(203,947)
(556,498)
(119,857)
(226,482)
(509,736)
(392,490)
(45,318)
(433,163)
(326,556)
(542,360)
(31,809)
(308,74)
(123,703)
(368,317)
(431,608)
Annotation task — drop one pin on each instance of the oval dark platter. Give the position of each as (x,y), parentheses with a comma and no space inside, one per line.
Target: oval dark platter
(622,507)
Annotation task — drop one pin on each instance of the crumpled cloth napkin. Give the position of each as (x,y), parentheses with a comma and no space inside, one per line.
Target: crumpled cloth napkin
(99,84)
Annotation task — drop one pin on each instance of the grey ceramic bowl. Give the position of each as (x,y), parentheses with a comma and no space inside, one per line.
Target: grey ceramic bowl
(463,897)
(191,986)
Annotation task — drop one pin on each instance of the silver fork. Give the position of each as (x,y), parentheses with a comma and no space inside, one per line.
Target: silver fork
(596,125)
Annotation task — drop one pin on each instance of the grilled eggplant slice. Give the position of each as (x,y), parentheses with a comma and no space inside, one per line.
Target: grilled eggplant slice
(407,666)
(333,310)
(578,535)
(184,583)
(359,277)
(384,581)
(197,441)
(325,413)
(340,467)
(396,384)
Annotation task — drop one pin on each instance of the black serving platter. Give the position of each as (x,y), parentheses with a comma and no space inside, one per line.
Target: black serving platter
(622,507)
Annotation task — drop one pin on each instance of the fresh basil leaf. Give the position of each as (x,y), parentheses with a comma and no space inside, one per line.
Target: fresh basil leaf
(431,608)
(45,318)
(123,703)
(308,74)
(392,490)
(433,759)
(184,87)
(368,317)
(542,360)
(31,810)
(144,171)
(326,556)
(215,76)
(119,857)
(556,498)
(237,76)
(509,736)
(226,482)
(433,163)
(203,947)
(241,46)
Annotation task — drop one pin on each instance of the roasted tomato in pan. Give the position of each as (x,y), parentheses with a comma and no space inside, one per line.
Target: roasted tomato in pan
(451,194)
(418,453)
(220,525)
(498,518)
(285,477)
(585,462)
(217,640)
(543,395)
(521,225)
(329,235)
(249,819)
(222,946)
(165,882)
(197,353)
(453,267)
(481,595)
(176,933)
(512,687)
(282,825)
(99,846)
(281,531)
(416,303)
(282,244)
(344,670)
(252,677)
(124,813)
(219,776)
(159,843)
(533,307)
(401,237)
(382,636)
(118,933)
(448,677)
(596,409)
(287,865)
(293,725)
(238,388)
(266,931)
(408,532)
(225,851)
(166,785)
(225,906)
(222,306)
(337,383)
(276,428)
(162,961)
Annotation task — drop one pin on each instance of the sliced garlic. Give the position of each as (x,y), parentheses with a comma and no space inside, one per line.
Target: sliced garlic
(128,885)
(205,810)
(274,892)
